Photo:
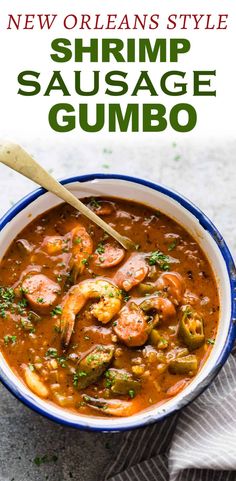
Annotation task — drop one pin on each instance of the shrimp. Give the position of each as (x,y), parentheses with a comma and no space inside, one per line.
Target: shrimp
(131,326)
(80,244)
(82,248)
(173,284)
(108,306)
(190,298)
(163,308)
(114,407)
(102,208)
(34,382)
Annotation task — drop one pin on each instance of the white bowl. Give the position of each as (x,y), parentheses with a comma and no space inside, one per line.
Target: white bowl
(197,224)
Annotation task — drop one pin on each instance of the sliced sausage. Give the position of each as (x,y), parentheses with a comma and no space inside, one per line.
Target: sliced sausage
(173,284)
(132,272)
(109,255)
(53,244)
(177,387)
(103,208)
(131,327)
(40,291)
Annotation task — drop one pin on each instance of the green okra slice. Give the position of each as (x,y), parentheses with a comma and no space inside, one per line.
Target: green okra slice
(191,330)
(184,365)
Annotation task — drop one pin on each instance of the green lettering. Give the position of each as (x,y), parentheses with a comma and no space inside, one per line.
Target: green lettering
(95,88)
(116,83)
(147,86)
(153,118)
(191,117)
(123,120)
(91,49)
(112,47)
(177,46)
(22,80)
(83,117)
(197,82)
(182,86)
(60,45)
(147,51)
(66,123)
(57,78)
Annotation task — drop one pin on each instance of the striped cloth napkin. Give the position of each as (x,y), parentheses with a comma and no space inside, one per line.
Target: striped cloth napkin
(199,444)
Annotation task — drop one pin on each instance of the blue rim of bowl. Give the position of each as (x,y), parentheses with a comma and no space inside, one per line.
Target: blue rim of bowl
(222,246)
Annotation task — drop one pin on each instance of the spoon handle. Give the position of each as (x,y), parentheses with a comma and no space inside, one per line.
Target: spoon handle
(19,160)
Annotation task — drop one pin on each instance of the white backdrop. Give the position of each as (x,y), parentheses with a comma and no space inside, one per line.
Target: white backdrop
(24,117)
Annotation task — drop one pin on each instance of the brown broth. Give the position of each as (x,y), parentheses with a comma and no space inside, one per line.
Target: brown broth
(24,344)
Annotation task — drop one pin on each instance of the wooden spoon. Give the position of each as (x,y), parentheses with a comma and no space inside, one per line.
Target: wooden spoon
(19,160)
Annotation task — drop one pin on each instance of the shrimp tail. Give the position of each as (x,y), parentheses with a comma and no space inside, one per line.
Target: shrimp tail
(73,303)
(113,407)
(108,306)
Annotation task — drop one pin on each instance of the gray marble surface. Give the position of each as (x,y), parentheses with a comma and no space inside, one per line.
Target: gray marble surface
(205,172)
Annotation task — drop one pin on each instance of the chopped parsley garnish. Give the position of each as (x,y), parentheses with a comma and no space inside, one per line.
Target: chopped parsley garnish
(23,290)
(157,257)
(108,380)
(27,325)
(131,393)
(7,297)
(56,311)
(11,339)
(23,303)
(108,383)
(210,341)
(100,248)
(76,377)
(40,300)
(85,262)
(45,459)
(125,295)
(77,240)
(51,352)
(7,294)
(62,361)
(94,203)
(92,357)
